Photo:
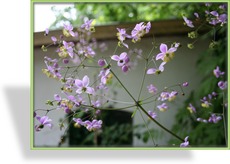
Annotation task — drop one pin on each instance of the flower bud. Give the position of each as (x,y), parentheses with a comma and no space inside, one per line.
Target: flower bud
(101,62)
(190,46)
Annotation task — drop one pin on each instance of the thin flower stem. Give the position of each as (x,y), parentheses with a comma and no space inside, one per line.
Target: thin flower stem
(225,127)
(126,107)
(159,92)
(147,128)
(140,106)
(143,78)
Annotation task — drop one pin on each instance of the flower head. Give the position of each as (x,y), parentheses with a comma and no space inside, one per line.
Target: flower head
(88,25)
(191,108)
(53,69)
(152,114)
(44,121)
(214,119)
(92,126)
(122,60)
(139,31)
(216,19)
(188,22)
(166,54)
(172,95)
(46,31)
(121,35)
(163,107)
(223,85)
(217,72)
(185,143)
(156,71)
(68,30)
(83,85)
(152,89)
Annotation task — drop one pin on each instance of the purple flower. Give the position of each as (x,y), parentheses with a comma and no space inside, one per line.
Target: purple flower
(83,85)
(104,74)
(185,84)
(101,62)
(53,69)
(152,89)
(205,103)
(138,31)
(148,27)
(163,107)
(94,125)
(46,31)
(57,98)
(196,15)
(88,25)
(172,95)
(152,114)
(185,143)
(69,48)
(78,122)
(54,39)
(191,108)
(164,96)
(156,71)
(201,120)
(218,18)
(96,104)
(122,60)
(188,22)
(222,85)
(214,119)
(68,30)
(44,121)
(166,54)
(122,36)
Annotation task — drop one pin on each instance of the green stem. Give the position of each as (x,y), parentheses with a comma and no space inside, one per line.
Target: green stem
(224,120)
(147,128)
(139,105)
(126,107)
(143,79)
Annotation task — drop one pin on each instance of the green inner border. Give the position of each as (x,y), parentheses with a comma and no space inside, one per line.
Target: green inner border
(105,148)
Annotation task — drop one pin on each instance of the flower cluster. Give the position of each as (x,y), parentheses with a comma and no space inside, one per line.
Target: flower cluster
(89,94)
(43,121)
(90,125)
(209,17)
(206,101)
(165,55)
(136,34)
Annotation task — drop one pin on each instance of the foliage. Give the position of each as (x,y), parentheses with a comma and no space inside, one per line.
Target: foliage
(110,13)
(202,134)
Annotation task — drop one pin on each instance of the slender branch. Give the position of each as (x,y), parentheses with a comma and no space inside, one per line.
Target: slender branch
(140,106)
(224,120)
(143,78)
(147,128)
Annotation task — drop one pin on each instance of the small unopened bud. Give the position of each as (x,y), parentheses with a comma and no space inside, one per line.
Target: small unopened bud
(185,84)
(190,46)
(193,34)
(101,62)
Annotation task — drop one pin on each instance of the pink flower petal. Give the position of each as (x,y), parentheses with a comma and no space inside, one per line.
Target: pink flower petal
(78,83)
(161,67)
(123,55)
(173,49)
(115,57)
(90,90)
(85,81)
(163,48)
(151,71)
(160,56)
